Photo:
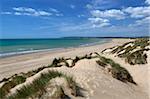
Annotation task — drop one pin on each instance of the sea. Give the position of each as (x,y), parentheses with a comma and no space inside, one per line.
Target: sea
(9,47)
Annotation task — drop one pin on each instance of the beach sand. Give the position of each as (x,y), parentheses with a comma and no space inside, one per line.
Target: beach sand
(24,63)
(87,73)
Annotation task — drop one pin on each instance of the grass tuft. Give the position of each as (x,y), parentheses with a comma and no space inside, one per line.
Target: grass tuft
(37,87)
(116,70)
(131,56)
(5,89)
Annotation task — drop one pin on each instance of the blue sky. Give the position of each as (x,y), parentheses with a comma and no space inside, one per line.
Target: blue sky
(61,18)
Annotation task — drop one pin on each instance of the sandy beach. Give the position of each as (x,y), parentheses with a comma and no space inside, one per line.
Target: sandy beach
(24,63)
(75,49)
(90,77)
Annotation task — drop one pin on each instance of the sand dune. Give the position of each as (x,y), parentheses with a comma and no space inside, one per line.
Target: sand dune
(96,82)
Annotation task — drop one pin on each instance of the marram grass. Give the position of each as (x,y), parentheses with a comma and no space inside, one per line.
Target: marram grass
(38,87)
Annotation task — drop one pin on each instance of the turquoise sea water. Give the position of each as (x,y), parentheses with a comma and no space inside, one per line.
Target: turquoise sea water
(21,46)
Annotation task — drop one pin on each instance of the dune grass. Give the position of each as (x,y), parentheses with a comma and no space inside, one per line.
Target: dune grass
(38,87)
(87,56)
(72,85)
(56,62)
(17,79)
(10,84)
(11,81)
(117,71)
(137,57)
(131,55)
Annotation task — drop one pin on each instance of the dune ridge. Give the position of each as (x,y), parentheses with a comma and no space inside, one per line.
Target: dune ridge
(95,75)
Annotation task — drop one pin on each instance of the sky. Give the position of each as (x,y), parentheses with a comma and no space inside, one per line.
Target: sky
(63,18)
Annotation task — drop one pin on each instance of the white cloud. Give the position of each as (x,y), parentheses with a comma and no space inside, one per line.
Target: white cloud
(6,13)
(53,10)
(147,2)
(142,22)
(24,9)
(95,20)
(72,6)
(99,22)
(87,29)
(33,12)
(113,13)
(30,12)
(17,13)
(101,4)
(75,27)
(56,12)
(100,25)
(89,6)
(39,13)
(138,12)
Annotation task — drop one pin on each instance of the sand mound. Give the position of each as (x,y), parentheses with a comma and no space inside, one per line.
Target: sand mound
(95,82)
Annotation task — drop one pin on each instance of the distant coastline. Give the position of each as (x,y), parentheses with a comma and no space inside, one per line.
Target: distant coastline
(111,37)
(70,37)
(85,41)
(12,47)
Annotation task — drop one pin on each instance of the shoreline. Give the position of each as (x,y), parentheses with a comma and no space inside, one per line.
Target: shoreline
(10,54)
(86,71)
(23,63)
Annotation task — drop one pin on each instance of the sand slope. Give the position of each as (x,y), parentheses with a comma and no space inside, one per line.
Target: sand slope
(96,83)
(92,78)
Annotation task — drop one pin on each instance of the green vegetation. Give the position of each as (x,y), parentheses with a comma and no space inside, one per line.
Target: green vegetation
(87,56)
(101,63)
(116,70)
(137,57)
(38,87)
(75,60)
(72,85)
(133,52)
(14,80)
(10,84)
(56,62)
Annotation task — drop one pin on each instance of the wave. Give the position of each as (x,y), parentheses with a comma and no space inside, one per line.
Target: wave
(21,51)
(25,52)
